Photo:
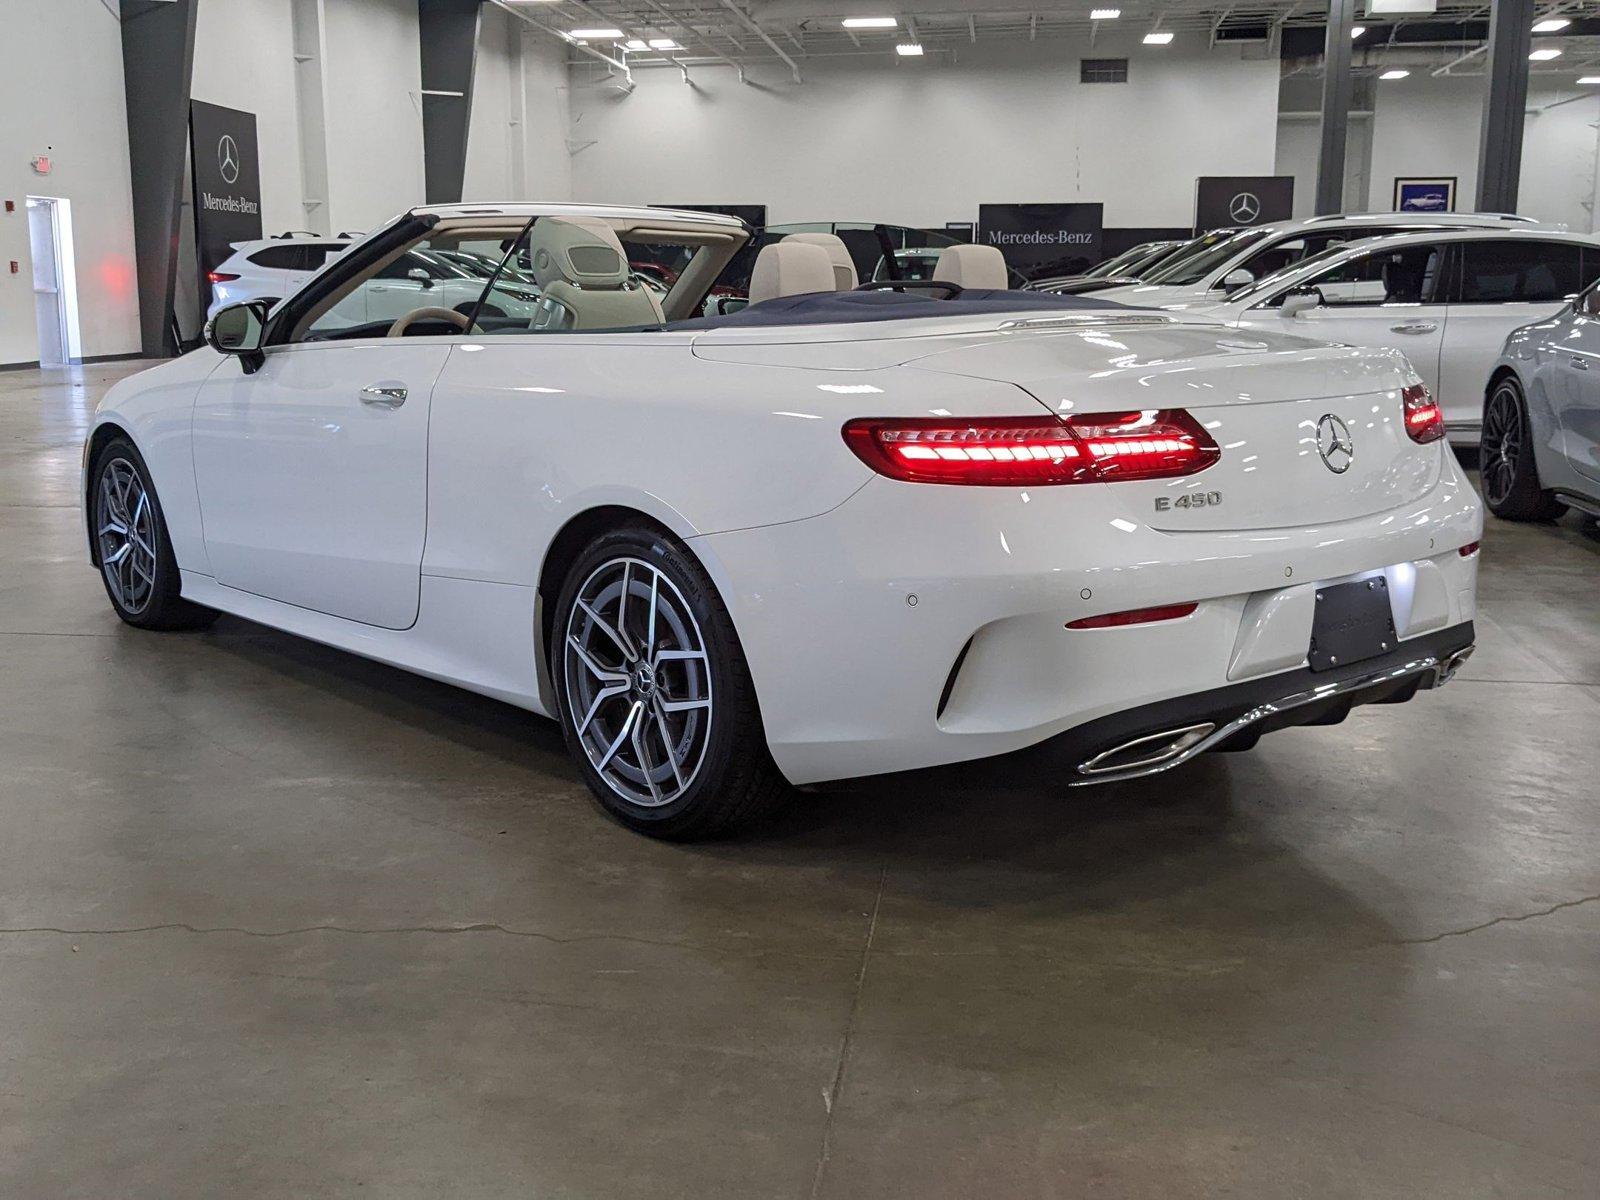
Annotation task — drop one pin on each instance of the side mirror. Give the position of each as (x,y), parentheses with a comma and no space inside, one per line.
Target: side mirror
(421,277)
(238,330)
(1236,279)
(1300,300)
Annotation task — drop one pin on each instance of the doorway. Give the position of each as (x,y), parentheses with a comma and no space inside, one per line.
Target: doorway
(55,288)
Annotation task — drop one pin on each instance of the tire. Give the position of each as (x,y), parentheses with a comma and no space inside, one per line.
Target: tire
(1509,474)
(617,690)
(138,569)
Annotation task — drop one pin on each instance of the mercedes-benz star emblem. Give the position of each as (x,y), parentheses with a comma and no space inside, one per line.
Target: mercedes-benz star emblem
(228,159)
(1244,208)
(1334,444)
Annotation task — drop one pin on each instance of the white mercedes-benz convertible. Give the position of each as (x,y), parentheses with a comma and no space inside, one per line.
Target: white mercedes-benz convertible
(842,532)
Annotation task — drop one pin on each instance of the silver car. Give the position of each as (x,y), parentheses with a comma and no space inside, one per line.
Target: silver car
(1540,449)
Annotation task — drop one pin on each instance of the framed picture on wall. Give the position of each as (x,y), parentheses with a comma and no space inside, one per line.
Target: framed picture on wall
(1425,195)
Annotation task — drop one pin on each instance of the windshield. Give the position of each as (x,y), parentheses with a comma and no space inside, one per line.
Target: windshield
(1206,256)
(1274,279)
(1116,263)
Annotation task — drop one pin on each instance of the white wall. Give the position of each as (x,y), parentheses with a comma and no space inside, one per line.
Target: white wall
(494,157)
(374,111)
(924,142)
(80,122)
(1425,126)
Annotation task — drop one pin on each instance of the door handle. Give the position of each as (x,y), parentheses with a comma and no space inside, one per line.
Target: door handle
(384,395)
(1578,364)
(1414,327)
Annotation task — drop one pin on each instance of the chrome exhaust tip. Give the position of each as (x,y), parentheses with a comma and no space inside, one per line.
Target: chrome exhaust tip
(1445,671)
(1151,750)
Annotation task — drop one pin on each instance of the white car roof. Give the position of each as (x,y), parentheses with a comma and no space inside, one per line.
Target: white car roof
(530,209)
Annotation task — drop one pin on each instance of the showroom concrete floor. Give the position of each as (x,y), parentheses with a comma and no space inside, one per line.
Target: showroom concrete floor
(278,922)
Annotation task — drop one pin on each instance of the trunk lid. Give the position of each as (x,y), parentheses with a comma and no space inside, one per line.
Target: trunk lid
(1286,412)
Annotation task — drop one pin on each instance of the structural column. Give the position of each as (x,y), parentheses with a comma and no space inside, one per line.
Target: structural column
(157,66)
(1505,105)
(449,30)
(1337,87)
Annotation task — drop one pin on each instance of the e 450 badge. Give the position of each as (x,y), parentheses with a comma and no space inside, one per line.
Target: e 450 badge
(1188,500)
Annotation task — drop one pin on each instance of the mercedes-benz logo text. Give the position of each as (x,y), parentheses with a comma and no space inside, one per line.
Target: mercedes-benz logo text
(1244,208)
(1334,444)
(228,159)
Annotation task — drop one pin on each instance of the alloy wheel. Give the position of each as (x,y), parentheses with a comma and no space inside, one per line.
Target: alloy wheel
(125,532)
(1501,443)
(638,681)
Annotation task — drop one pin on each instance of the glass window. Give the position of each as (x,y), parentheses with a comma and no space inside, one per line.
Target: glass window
(425,276)
(1205,255)
(1402,275)
(278,258)
(1502,272)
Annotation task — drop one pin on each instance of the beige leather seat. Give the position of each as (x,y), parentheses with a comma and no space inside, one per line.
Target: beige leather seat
(970,266)
(790,269)
(844,267)
(580,265)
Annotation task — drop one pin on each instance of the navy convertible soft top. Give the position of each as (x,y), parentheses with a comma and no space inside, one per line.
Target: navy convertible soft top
(840,308)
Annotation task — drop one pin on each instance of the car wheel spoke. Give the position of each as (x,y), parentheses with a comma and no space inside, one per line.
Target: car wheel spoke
(645,742)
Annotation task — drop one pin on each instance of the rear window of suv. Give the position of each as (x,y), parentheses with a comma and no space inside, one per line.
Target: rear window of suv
(1494,272)
(295,256)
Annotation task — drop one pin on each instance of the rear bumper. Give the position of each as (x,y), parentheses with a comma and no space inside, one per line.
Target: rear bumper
(1157,737)
(918,626)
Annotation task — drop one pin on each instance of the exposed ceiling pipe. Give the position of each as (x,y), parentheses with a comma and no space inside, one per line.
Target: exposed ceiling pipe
(690,34)
(632,32)
(562,37)
(739,13)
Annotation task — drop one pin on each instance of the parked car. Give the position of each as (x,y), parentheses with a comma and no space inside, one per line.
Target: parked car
(837,534)
(1126,268)
(1540,449)
(1222,265)
(270,269)
(1446,298)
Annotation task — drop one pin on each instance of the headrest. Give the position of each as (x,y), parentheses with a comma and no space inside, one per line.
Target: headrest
(844,267)
(790,269)
(574,250)
(970,266)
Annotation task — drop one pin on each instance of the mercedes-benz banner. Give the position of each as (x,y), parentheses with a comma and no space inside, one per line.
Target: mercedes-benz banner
(1041,240)
(227,184)
(1224,201)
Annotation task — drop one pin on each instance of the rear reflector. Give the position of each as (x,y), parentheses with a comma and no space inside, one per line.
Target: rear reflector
(1134,616)
(1424,421)
(220,277)
(1470,549)
(1033,451)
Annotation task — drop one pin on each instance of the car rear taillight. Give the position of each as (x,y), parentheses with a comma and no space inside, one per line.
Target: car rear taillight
(1033,451)
(1424,421)
(1470,549)
(1134,616)
(220,277)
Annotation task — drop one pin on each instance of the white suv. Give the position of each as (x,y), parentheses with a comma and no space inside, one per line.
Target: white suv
(1210,270)
(270,269)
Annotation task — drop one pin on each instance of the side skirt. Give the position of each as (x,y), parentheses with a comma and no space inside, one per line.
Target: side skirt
(478,636)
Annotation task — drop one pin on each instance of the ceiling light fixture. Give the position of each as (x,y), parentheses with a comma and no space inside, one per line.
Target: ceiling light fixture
(635,44)
(1397,73)
(1591,79)
(1544,55)
(1356,31)
(1104,14)
(909,49)
(870,23)
(1551,25)
(664,44)
(599,35)
(1157,39)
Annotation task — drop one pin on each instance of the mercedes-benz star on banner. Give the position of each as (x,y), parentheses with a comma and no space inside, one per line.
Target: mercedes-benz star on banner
(1225,201)
(227,183)
(1041,240)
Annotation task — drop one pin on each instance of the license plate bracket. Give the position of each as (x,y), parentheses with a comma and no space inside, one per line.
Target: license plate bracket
(1353,622)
